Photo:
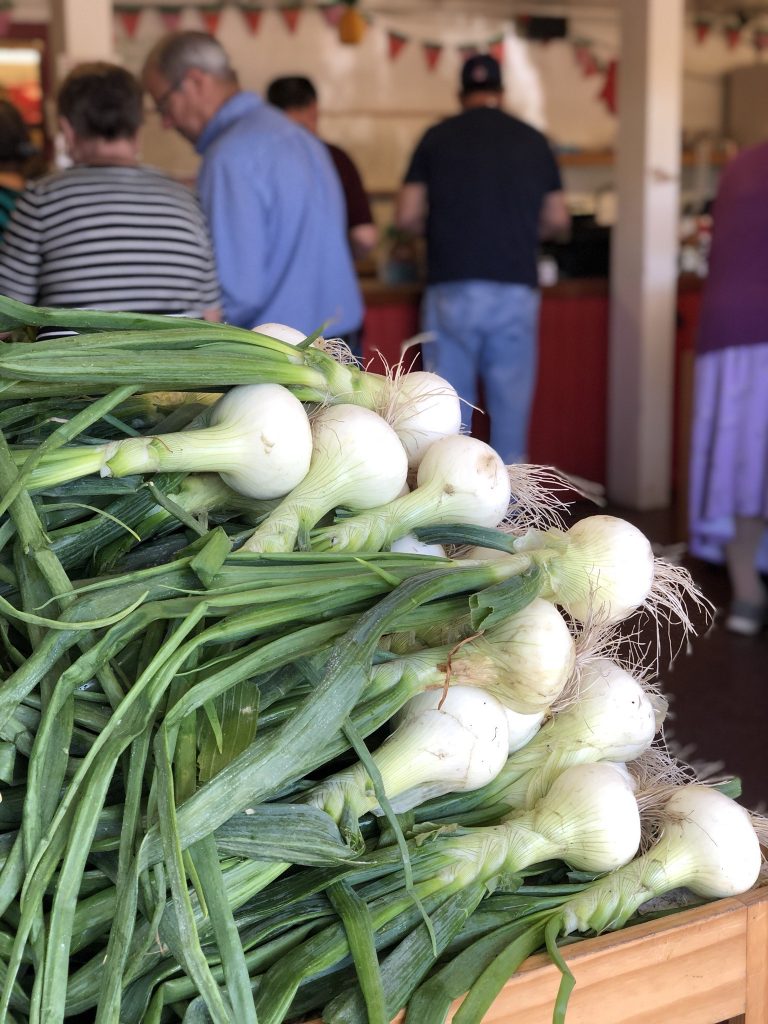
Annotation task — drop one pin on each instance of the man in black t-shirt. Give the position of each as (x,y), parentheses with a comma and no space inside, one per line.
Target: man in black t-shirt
(484,187)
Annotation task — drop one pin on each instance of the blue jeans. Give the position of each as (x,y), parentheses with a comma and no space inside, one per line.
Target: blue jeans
(487,330)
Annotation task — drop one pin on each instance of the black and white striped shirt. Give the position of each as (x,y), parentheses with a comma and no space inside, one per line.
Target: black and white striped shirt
(123,238)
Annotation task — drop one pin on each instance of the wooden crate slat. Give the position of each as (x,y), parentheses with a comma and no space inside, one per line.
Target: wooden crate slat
(690,972)
(757,957)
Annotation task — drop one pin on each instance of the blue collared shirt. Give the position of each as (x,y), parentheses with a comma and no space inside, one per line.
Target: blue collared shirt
(276,213)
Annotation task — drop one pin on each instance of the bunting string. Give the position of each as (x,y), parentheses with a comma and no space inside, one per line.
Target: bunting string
(735,29)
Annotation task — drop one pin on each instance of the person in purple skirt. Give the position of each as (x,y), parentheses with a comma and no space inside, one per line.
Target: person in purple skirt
(728,506)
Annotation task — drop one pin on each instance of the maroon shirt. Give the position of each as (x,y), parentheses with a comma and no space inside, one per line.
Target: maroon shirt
(734,308)
(358,207)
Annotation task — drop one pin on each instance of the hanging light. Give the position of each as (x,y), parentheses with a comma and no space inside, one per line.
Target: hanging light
(352,24)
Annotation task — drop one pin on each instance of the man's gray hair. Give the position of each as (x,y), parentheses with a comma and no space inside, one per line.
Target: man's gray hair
(175,54)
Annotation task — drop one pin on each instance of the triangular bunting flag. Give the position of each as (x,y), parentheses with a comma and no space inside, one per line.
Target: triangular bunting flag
(734,29)
(291,16)
(432,53)
(252,18)
(396,43)
(129,19)
(171,17)
(608,94)
(332,13)
(584,58)
(760,39)
(211,17)
(589,64)
(702,27)
(467,51)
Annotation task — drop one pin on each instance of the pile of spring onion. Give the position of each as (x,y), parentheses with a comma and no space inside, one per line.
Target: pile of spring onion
(309,706)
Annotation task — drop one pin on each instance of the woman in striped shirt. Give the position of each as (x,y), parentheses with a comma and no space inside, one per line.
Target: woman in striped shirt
(108,233)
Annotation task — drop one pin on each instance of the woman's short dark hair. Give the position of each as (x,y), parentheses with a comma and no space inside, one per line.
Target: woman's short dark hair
(15,145)
(101,101)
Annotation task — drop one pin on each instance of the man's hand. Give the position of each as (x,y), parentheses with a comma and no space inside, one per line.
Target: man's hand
(411,208)
(554,220)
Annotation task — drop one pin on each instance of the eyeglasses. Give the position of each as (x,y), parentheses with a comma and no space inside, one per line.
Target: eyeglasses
(161,103)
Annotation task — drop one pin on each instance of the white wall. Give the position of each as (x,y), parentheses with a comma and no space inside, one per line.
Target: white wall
(377,108)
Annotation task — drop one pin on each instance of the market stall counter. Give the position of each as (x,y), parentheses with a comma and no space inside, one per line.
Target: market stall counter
(573,364)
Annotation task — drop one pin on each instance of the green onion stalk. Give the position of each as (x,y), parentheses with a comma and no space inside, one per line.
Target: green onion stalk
(257,438)
(267,764)
(153,353)
(706,843)
(600,571)
(158,507)
(519,665)
(456,742)
(357,459)
(615,719)
(589,819)
(274,922)
(404,969)
(459,480)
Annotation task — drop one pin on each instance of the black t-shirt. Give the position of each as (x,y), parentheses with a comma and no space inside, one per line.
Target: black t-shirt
(486,175)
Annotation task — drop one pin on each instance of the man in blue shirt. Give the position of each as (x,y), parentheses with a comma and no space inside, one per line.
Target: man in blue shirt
(269,189)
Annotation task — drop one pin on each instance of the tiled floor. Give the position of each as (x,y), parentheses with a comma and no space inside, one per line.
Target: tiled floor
(719,688)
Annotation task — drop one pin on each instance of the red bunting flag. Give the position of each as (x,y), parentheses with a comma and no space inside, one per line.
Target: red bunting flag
(590,64)
(291,17)
(733,36)
(760,39)
(496,49)
(702,27)
(211,17)
(129,19)
(171,17)
(608,94)
(332,13)
(395,43)
(252,18)
(585,59)
(432,53)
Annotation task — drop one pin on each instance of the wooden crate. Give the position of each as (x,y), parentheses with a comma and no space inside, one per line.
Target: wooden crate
(700,966)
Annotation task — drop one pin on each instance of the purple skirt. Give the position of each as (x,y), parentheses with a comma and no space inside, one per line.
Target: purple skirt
(729,448)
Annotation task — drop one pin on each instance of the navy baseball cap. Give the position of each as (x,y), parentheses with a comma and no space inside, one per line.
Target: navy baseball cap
(481,72)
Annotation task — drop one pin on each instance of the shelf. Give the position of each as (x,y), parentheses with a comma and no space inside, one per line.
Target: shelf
(606,157)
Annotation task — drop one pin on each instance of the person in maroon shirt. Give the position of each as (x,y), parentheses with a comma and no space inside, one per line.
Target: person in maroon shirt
(729,441)
(296,96)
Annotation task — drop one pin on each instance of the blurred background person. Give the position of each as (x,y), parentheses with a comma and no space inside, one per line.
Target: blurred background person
(296,96)
(108,233)
(16,151)
(728,506)
(484,187)
(269,189)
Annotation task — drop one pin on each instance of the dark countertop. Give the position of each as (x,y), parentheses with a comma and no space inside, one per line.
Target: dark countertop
(378,293)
